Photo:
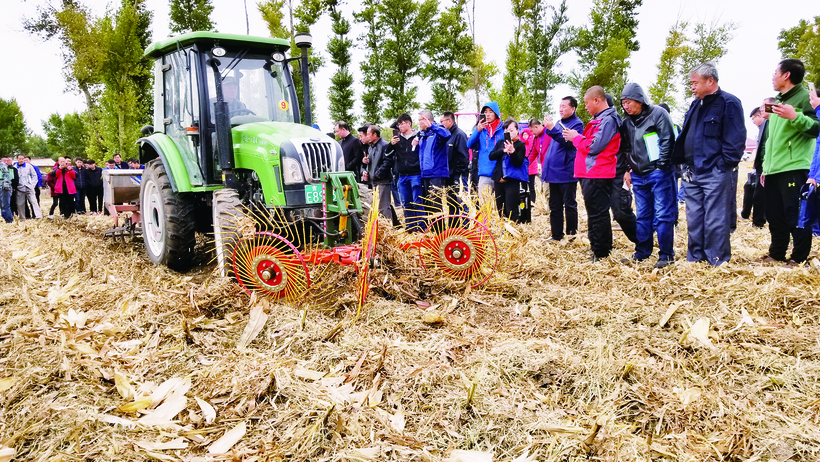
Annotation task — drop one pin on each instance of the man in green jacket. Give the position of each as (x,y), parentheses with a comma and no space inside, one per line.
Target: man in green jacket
(793,129)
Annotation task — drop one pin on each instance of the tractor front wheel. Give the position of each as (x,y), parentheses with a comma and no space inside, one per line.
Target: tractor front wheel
(168,224)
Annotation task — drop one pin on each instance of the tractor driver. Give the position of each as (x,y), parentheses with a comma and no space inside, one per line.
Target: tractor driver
(230,89)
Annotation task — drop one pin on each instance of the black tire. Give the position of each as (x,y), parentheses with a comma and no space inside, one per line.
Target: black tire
(227,213)
(168,220)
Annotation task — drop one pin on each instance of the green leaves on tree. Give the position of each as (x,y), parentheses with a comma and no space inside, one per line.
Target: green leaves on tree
(191,15)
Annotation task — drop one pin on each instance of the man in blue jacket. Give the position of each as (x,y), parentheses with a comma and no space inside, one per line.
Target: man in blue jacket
(557,171)
(485,135)
(710,146)
(432,146)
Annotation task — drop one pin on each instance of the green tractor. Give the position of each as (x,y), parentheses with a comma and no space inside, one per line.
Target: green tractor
(227,143)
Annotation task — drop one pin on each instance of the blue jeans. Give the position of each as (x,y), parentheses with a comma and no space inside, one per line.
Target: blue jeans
(410,190)
(655,203)
(5,205)
(707,216)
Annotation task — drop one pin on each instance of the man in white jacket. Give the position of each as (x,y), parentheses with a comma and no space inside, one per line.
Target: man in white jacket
(26,188)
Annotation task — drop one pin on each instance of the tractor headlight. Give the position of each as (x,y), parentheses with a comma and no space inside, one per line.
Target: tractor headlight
(292,171)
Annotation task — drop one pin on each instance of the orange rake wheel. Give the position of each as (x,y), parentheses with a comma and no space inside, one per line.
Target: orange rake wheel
(270,264)
(466,252)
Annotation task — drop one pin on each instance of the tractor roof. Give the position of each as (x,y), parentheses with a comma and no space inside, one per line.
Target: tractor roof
(210,39)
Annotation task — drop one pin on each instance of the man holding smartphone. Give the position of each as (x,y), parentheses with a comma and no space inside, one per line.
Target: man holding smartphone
(793,129)
(408,168)
(486,134)
(597,148)
(558,167)
(432,145)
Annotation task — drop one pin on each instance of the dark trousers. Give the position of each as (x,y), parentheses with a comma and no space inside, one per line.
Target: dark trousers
(55,202)
(562,200)
(508,199)
(782,192)
(79,200)
(754,201)
(95,199)
(433,194)
(597,197)
(66,204)
(621,205)
(733,201)
(707,217)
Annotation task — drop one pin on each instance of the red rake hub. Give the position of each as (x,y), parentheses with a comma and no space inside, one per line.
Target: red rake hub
(270,273)
(457,252)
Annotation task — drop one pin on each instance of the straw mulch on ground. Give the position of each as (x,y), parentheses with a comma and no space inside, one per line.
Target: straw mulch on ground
(106,357)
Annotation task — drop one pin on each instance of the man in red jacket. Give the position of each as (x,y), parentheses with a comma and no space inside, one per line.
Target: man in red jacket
(597,150)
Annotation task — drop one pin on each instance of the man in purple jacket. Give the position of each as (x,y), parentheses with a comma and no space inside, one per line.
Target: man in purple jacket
(558,170)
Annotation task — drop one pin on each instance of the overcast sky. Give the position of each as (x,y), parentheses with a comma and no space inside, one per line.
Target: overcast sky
(32,71)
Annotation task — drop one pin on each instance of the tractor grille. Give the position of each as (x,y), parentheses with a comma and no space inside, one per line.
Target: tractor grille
(319,157)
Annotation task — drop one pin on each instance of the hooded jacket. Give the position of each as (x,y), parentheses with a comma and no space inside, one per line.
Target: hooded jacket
(790,143)
(648,137)
(483,142)
(433,151)
(598,146)
(559,162)
(719,133)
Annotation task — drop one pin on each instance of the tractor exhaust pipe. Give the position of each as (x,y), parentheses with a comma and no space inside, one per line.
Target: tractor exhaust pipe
(304,41)
(222,119)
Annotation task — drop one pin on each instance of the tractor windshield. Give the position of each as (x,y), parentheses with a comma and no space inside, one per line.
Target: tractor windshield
(255,88)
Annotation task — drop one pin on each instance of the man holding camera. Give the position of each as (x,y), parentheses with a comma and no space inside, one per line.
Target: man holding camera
(486,134)
(793,129)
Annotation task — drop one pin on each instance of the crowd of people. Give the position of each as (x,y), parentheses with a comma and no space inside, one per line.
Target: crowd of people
(70,186)
(613,157)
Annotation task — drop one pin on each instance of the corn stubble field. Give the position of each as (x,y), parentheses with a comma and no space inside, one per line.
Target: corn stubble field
(104,356)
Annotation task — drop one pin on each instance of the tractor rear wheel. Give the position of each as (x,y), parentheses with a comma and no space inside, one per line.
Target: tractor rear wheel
(168,223)
(228,212)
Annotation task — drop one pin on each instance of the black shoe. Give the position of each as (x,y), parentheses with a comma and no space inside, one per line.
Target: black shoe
(663,263)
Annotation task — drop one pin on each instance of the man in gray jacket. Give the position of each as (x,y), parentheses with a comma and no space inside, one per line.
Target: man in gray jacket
(379,168)
(648,139)
(26,188)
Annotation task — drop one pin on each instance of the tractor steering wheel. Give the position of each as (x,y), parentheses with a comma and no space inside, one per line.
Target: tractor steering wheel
(243,111)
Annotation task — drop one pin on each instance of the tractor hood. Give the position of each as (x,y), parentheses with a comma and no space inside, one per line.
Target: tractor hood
(273,134)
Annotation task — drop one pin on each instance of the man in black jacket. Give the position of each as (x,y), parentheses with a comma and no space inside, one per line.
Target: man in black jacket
(92,176)
(458,155)
(351,148)
(621,196)
(407,167)
(754,207)
(79,184)
(648,138)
